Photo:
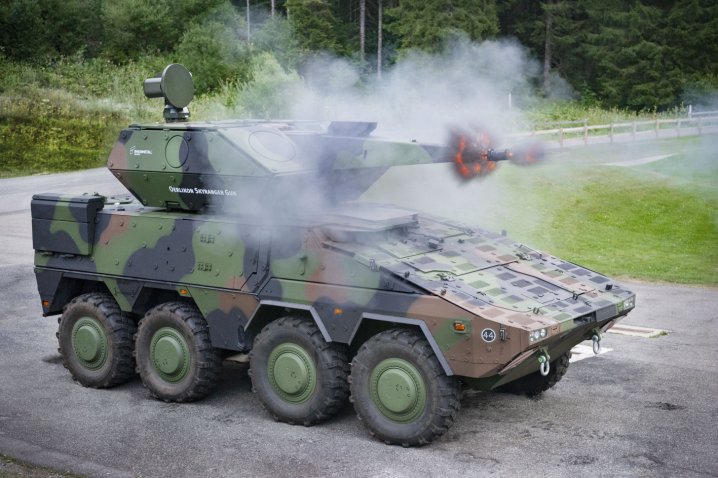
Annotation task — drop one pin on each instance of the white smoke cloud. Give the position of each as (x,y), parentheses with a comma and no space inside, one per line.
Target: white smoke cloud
(478,85)
(469,84)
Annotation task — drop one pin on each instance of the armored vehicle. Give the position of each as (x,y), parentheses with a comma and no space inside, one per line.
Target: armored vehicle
(244,238)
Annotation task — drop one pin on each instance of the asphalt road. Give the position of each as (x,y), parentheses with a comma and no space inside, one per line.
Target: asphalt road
(647,408)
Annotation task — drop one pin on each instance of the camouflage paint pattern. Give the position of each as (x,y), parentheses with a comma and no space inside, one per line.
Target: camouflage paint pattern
(218,222)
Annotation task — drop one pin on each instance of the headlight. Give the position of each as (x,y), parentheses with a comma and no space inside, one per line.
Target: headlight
(626,304)
(538,335)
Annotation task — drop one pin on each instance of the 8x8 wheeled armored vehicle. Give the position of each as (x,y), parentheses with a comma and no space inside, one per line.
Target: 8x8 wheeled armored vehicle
(243,238)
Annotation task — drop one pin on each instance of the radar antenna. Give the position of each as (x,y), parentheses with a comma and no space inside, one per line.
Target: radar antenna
(176,87)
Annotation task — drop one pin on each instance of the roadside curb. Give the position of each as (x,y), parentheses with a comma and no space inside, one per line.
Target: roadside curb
(48,458)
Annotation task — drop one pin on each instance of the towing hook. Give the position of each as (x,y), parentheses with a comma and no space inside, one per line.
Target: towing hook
(545,365)
(596,343)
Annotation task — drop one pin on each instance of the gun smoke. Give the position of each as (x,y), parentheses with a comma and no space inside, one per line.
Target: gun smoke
(476,84)
(422,97)
(481,86)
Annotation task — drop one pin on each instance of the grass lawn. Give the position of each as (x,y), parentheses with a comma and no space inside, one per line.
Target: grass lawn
(655,221)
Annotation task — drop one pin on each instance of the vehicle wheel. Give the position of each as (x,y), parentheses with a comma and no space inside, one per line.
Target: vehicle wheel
(297,375)
(96,341)
(400,390)
(535,384)
(175,358)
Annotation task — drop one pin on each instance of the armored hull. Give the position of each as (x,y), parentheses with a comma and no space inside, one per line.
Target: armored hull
(345,266)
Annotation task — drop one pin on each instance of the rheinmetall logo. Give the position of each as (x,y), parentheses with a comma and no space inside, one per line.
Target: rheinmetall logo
(139,152)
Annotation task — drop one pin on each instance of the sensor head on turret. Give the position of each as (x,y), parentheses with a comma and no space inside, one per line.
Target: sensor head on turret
(175,85)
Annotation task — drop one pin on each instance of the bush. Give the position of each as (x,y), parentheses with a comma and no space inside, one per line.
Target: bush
(23,30)
(214,53)
(276,36)
(135,27)
(270,93)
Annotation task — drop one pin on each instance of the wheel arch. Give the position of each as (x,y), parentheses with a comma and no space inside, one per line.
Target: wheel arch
(371,324)
(136,296)
(57,289)
(270,310)
(150,296)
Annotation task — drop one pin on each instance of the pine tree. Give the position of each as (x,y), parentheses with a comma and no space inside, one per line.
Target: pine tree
(379,38)
(428,25)
(362,30)
(616,52)
(314,23)
(624,60)
(692,40)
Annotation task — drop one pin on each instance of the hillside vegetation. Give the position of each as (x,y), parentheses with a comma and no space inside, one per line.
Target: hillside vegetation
(71,71)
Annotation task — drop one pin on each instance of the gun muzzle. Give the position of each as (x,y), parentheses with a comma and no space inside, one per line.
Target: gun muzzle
(504,155)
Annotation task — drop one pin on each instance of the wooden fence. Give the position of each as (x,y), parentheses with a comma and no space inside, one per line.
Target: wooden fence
(698,123)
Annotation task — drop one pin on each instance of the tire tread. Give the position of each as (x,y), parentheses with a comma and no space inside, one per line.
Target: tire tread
(122,329)
(336,388)
(449,390)
(209,362)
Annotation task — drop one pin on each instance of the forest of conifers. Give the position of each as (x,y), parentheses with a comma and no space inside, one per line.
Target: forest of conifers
(635,54)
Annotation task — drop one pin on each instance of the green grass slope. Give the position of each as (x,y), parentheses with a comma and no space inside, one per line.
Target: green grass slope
(44,135)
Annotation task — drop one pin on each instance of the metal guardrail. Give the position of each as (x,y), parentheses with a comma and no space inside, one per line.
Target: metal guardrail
(634,128)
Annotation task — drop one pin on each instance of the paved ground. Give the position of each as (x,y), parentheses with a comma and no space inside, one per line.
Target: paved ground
(647,408)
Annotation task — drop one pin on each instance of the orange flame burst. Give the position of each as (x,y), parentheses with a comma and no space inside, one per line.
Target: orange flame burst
(459,158)
(472,152)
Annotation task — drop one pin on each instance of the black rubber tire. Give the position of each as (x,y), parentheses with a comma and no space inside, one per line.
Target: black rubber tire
(331,361)
(443,393)
(535,384)
(119,364)
(205,361)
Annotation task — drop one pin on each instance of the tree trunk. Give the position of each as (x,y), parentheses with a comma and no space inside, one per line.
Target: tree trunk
(548,12)
(362,30)
(249,25)
(379,39)
(273,6)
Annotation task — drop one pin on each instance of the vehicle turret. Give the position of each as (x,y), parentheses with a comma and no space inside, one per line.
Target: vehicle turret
(190,166)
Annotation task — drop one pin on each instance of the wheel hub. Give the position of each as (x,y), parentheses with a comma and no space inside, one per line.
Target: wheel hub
(170,354)
(398,390)
(89,343)
(292,372)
